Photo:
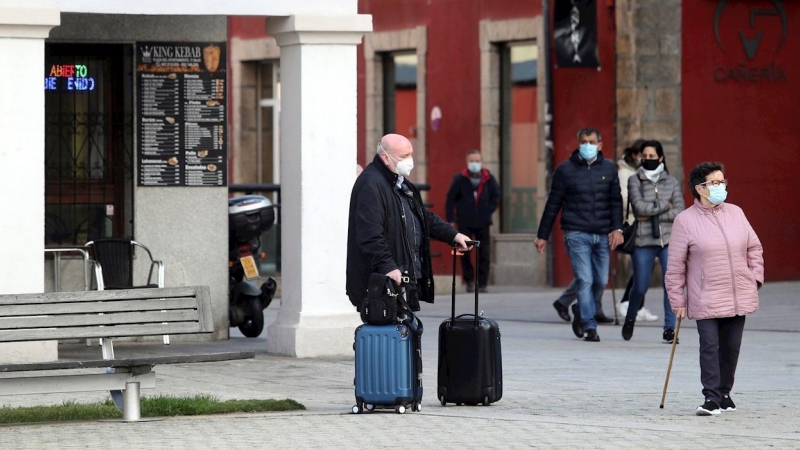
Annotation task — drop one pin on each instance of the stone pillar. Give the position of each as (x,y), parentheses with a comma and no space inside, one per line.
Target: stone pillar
(318,157)
(649,76)
(23,30)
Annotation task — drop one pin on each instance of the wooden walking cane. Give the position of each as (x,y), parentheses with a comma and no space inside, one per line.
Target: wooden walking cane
(669,368)
(613,285)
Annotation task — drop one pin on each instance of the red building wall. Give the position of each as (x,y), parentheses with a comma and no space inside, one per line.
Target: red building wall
(582,97)
(745,113)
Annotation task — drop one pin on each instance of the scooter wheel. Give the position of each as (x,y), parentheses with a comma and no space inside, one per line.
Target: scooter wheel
(400,409)
(255,324)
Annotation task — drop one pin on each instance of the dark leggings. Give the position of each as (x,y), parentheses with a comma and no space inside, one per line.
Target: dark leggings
(628,293)
(720,340)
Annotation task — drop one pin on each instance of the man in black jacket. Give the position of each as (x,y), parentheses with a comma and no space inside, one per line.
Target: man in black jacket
(389,228)
(586,191)
(471,200)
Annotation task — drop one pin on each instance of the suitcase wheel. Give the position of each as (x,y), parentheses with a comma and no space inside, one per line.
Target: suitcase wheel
(400,409)
(357,409)
(416,407)
(486,401)
(458,403)
(369,407)
(443,401)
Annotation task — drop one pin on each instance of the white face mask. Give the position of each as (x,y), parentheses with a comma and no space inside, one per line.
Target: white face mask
(403,166)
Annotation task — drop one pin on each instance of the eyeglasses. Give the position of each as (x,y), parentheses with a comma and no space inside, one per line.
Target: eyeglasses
(714,183)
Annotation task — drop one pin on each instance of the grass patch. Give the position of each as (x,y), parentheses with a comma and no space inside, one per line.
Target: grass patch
(161,406)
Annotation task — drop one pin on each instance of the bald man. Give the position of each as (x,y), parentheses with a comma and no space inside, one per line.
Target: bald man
(389,227)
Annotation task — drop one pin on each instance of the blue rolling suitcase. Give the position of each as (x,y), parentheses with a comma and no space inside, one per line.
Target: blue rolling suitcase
(388,366)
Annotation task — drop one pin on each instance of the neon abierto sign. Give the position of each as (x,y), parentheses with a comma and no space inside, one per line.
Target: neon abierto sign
(69,77)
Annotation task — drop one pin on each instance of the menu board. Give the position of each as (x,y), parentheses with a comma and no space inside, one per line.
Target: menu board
(182,123)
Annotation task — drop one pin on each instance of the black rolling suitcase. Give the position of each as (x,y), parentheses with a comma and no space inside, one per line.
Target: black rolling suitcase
(470,361)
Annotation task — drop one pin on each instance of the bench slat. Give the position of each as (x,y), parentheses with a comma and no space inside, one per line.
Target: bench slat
(204,308)
(76,320)
(125,362)
(74,383)
(100,332)
(94,296)
(97,307)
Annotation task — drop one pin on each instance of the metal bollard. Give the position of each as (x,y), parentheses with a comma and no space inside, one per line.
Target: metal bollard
(131,411)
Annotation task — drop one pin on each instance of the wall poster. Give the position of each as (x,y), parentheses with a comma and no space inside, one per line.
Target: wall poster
(575,33)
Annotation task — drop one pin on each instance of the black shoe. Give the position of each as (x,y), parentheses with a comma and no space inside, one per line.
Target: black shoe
(727,404)
(591,336)
(709,408)
(577,327)
(627,329)
(602,318)
(562,311)
(669,336)
(470,287)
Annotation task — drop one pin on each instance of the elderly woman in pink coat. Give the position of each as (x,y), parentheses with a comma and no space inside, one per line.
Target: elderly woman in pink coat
(716,256)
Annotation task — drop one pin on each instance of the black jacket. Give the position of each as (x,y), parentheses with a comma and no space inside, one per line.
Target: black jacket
(376,235)
(588,197)
(470,213)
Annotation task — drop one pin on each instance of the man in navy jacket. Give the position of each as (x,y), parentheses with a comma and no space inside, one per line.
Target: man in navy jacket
(471,200)
(586,191)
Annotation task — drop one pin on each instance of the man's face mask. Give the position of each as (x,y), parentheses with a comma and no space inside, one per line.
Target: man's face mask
(588,151)
(403,166)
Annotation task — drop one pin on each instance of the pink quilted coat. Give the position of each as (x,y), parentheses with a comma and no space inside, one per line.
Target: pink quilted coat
(715,254)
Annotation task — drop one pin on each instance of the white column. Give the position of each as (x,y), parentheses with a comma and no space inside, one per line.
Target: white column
(22,34)
(318,160)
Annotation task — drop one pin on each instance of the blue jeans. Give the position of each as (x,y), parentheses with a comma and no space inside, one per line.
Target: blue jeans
(589,256)
(644,258)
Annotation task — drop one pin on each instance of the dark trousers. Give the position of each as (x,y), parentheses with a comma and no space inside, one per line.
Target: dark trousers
(720,340)
(467,271)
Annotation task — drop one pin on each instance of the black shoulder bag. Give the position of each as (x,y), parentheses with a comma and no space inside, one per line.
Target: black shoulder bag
(629,230)
(383,303)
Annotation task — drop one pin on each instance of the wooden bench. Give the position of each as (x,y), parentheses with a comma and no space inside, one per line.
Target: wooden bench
(105,315)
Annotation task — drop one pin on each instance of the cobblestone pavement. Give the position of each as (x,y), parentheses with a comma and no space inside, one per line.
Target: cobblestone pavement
(559,392)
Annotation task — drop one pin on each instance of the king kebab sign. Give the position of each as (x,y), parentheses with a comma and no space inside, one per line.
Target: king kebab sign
(760,20)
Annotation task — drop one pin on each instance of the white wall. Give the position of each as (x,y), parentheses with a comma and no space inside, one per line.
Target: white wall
(22,165)
(227,7)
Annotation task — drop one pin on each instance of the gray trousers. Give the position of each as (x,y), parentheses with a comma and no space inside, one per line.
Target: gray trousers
(720,340)
(570,295)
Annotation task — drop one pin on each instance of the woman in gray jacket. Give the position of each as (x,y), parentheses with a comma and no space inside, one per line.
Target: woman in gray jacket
(656,199)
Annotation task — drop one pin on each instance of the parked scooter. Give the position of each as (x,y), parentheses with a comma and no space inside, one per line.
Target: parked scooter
(248,217)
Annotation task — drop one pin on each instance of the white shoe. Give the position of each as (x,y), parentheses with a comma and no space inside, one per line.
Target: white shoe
(645,315)
(622,309)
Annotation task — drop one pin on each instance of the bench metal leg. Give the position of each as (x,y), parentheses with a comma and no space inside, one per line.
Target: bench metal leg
(131,409)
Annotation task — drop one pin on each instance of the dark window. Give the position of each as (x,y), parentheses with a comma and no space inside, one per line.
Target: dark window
(518,136)
(88,143)
(400,94)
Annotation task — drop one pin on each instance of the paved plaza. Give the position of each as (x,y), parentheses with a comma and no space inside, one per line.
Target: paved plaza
(560,392)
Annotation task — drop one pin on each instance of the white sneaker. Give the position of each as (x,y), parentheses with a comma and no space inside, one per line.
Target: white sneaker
(622,309)
(645,315)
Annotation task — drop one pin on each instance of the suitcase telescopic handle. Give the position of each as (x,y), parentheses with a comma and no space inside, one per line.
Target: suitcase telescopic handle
(477,271)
